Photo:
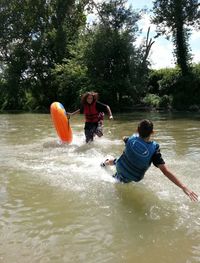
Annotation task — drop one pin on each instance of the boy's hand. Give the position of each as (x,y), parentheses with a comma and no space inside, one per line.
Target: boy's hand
(192,195)
(125,138)
(110,117)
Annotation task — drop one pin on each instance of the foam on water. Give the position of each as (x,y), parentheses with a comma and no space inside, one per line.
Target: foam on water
(77,166)
(67,165)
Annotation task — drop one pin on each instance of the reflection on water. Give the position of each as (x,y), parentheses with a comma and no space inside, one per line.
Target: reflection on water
(59,205)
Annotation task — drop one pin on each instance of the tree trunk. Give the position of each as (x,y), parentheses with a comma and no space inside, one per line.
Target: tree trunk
(181,50)
(180,38)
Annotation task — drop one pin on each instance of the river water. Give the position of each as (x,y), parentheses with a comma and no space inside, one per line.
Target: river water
(58,205)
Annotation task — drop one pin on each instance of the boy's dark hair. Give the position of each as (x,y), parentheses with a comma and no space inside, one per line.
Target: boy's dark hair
(145,128)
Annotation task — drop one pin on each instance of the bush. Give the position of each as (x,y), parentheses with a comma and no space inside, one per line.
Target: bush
(163,81)
(187,92)
(155,101)
(152,100)
(166,101)
(168,88)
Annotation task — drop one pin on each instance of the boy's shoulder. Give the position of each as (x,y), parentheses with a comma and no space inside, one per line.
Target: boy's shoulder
(136,136)
(126,138)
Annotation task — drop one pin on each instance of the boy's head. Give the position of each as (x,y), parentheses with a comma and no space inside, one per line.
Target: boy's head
(145,128)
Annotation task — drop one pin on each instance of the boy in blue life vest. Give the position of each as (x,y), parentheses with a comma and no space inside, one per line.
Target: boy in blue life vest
(137,157)
(94,112)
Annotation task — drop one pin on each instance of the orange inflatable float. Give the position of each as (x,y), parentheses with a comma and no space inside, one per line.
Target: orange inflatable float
(61,122)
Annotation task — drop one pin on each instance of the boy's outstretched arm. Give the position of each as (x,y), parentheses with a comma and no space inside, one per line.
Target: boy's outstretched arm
(164,169)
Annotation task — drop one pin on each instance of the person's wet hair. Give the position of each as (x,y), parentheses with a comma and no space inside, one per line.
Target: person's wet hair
(145,128)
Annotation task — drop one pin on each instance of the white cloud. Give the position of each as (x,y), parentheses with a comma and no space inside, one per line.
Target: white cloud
(194,44)
(144,23)
(196,56)
(195,35)
(162,55)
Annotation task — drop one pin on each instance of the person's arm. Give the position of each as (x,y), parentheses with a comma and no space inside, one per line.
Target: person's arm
(101,107)
(109,112)
(164,169)
(72,113)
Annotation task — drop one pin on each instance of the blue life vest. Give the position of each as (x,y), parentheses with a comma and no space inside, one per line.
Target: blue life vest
(136,159)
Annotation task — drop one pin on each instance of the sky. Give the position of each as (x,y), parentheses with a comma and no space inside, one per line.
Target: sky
(161,55)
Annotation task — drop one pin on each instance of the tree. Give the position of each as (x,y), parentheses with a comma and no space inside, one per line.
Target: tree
(111,54)
(176,18)
(70,77)
(34,36)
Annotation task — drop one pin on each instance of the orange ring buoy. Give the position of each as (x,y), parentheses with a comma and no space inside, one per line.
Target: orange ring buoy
(61,122)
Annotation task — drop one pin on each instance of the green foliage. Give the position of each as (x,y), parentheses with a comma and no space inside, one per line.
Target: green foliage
(175,18)
(31,104)
(163,81)
(155,101)
(168,82)
(174,90)
(152,100)
(196,70)
(47,53)
(34,36)
(166,101)
(71,78)
(2,92)
(112,60)
(187,91)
